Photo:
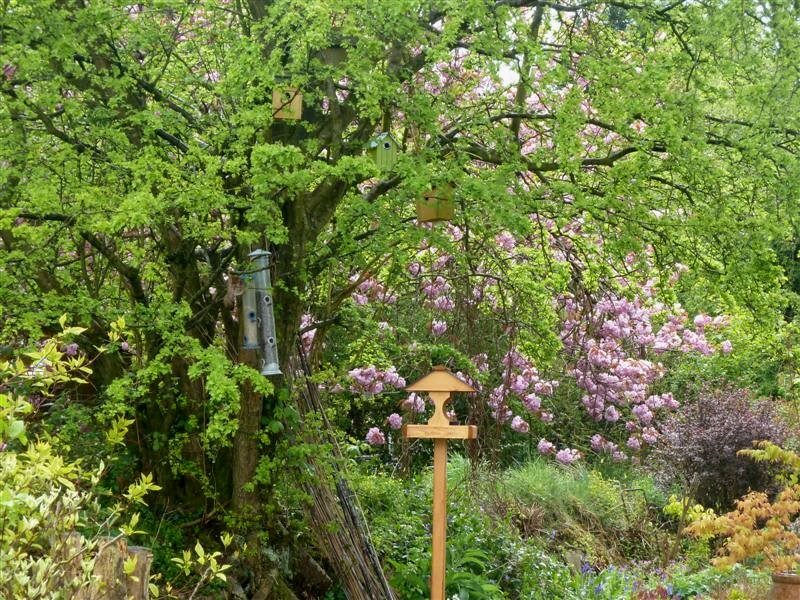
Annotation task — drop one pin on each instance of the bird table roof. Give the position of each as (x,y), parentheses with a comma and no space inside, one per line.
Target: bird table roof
(439,380)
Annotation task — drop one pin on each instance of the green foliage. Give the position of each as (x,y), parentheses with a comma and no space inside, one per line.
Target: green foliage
(514,530)
(141,160)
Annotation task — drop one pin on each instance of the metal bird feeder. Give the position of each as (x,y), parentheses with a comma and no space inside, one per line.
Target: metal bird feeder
(263,287)
(249,313)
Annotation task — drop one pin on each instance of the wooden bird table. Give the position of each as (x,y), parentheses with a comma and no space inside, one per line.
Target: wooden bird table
(439,384)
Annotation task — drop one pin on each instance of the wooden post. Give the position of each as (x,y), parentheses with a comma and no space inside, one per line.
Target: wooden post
(439,384)
(439,550)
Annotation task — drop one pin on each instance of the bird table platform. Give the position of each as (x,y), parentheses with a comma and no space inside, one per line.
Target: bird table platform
(439,385)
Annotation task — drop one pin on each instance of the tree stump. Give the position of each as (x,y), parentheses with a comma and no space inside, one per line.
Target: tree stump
(110,582)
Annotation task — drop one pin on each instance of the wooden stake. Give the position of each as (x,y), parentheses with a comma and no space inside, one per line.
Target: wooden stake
(439,554)
(439,384)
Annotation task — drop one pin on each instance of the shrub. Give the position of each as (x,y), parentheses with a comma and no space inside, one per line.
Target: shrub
(761,528)
(698,448)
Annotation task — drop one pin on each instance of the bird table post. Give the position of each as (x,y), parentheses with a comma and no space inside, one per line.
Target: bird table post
(439,384)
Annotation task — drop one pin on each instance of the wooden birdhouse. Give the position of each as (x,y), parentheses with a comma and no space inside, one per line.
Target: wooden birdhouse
(384,149)
(333,55)
(287,103)
(437,204)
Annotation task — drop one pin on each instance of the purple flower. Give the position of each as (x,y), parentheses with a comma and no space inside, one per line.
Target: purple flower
(726,347)
(125,347)
(395,421)
(634,443)
(519,425)
(438,327)
(545,447)
(506,241)
(375,437)
(414,403)
(532,402)
(71,349)
(612,414)
(444,303)
(567,456)
(415,269)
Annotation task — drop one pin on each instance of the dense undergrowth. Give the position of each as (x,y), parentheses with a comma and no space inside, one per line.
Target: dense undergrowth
(541,531)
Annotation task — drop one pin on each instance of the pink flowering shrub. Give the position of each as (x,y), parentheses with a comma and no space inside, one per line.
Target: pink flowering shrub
(375,437)
(589,379)
(614,346)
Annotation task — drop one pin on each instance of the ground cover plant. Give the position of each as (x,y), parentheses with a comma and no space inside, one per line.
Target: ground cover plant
(616,275)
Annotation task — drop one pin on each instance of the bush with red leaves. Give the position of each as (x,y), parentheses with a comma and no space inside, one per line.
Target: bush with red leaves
(699,445)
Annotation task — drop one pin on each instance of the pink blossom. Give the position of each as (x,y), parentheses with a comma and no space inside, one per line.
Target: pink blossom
(612,414)
(307,337)
(650,435)
(395,421)
(634,443)
(481,362)
(444,303)
(375,437)
(726,347)
(567,456)
(506,241)
(545,447)
(532,402)
(438,327)
(415,269)
(414,403)
(519,425)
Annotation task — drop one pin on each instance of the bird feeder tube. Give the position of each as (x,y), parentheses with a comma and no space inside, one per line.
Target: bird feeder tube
(266,339)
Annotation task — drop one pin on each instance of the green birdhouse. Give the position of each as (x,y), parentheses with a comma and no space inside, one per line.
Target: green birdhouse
(383,149)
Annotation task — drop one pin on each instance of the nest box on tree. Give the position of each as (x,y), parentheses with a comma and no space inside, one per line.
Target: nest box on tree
(437,204)
(384,149)
(287,103)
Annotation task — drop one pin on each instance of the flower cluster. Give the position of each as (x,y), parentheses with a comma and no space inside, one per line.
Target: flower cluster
(372,289)
(609,343)
(375,437)
(521,381)
(371,380)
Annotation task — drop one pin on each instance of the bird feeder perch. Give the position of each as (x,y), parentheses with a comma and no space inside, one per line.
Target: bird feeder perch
(287,104)
(439,384)
(437,204)
(383,149)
